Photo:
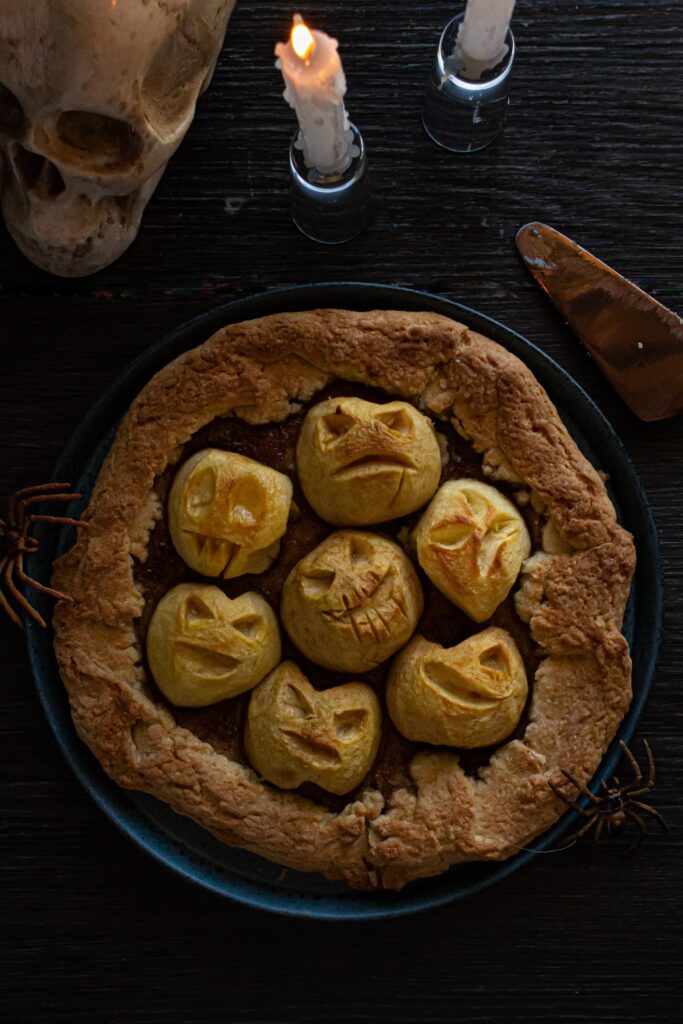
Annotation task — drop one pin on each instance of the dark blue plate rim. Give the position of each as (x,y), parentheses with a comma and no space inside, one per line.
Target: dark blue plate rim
(106,411)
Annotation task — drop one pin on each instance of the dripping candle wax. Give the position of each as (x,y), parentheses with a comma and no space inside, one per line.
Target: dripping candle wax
(315,86)
(481,40)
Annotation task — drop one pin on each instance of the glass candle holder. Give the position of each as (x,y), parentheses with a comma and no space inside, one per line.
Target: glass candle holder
(459,113)
(331,208)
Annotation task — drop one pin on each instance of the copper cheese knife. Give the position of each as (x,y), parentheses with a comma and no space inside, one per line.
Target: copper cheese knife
(636,341)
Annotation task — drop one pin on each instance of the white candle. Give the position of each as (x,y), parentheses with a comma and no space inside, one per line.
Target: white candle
(315,86)
(481,39)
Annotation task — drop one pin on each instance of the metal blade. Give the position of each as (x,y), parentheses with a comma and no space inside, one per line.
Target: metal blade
(636,341)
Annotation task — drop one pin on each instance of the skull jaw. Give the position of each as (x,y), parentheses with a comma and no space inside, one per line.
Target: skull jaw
(67,236)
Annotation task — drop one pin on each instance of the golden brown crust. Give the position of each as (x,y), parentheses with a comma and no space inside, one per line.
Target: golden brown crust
(260,371)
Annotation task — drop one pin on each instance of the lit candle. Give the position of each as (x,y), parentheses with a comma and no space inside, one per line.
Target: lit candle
(314,87)
(481,39)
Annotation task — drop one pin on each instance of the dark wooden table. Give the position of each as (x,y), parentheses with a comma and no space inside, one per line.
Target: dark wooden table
(95,932)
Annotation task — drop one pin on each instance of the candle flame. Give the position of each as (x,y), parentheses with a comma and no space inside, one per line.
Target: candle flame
(302,39)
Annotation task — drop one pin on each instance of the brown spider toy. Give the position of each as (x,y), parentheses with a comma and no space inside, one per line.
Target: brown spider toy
(615,804)
(16,541)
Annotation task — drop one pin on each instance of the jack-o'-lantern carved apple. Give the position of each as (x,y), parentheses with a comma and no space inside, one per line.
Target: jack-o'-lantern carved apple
(360,463)
(471,695)
(297,734)
(95,98)
(204,647)
(352,602)
(471,541)
(227,513)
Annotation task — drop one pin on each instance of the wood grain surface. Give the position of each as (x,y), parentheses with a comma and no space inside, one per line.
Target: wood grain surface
(93,931)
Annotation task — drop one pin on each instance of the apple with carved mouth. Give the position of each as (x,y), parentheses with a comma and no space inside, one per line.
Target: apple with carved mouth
(203,647)
(352,602)
(471,541)
(361,463)
(227,513)
(471,695)
(297,734)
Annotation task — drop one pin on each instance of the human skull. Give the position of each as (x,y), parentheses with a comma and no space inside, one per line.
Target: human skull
(360,462)
(203,647)
(296,734)
(471,542)
(95,97)
(352,601)
(471,695)
(226,513)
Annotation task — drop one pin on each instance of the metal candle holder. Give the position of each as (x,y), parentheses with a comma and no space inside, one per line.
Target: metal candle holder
(330,208)
(459,113)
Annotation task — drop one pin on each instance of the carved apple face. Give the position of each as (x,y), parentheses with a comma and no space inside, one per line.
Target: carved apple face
(296,734)
(352,601)
(361,463)
(471,695)
(202,647)
(227,513)
(471,542)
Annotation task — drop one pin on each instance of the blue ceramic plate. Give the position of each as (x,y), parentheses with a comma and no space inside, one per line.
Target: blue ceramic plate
(179,843)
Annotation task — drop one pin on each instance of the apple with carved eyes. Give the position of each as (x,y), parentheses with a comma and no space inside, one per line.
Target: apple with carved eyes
(227,513)
(361,463)
(203,647)
(471,541)
(297,734)
(352,601)
(471,695)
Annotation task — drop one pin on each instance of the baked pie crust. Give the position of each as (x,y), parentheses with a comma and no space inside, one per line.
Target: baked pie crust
(573,595)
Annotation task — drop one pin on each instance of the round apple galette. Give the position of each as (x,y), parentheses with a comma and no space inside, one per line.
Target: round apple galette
(349,597)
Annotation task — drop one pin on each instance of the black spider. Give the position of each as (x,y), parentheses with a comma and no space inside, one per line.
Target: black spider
(615,804)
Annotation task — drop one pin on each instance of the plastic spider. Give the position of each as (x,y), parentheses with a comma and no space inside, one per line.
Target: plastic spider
(615,804)
(16,541)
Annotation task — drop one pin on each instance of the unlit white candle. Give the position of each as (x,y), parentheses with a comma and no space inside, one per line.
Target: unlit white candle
(481,39)
(315,86)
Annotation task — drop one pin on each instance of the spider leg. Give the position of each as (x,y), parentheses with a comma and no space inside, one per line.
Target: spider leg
(584,790)
(36,499)
(637,774)
(34,583)
(20,597)
(54,519)
(641,826)
(651,810)
(569,802)
(37,488)
(599,829)
(4,603)
(592,822)
(650,782)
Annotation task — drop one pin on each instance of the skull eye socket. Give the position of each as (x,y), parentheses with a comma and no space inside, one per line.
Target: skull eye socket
(316,584)
(105,139)
(335,425)
(397,420)
(11,114)
(349,723)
